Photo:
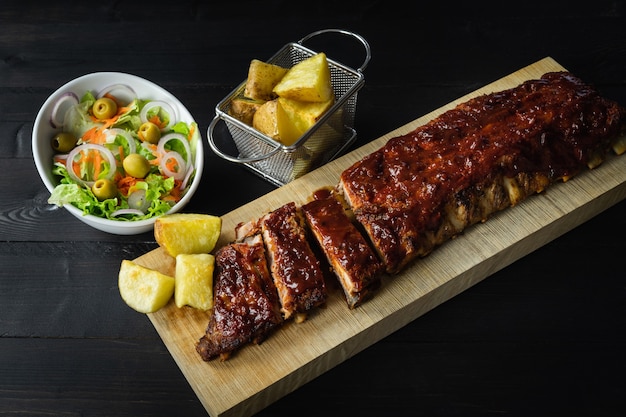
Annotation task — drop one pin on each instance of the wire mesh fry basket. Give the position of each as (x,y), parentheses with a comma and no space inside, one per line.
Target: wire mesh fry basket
(328,138)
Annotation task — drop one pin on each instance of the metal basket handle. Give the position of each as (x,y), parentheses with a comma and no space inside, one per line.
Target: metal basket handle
(366,45)
(231,158)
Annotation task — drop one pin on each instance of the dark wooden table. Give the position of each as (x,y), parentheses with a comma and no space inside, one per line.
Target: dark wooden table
(545,336)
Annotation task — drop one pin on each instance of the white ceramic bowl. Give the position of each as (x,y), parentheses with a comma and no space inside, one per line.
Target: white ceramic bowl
(43,152)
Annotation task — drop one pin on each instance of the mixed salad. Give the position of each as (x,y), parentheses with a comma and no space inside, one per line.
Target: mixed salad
(120,157)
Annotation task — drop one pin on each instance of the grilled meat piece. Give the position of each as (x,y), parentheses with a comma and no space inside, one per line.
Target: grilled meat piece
(246,307)
(294,267)
(348,252)
(486,154)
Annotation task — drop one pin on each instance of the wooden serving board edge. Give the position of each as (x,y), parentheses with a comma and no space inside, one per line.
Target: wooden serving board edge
(257,376)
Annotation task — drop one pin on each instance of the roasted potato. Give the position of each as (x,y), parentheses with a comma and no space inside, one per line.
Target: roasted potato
(294,118)
(144,290)
(194,280)
(187,232)
(243,108)
(262,77)
(265,120)
(308,80)
(304,93)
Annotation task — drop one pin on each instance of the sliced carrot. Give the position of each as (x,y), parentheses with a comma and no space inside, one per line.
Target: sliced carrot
(191,132)
(112,97)
(123,110)
(94,135)
(97,165)
(58,158)
(76,168)
(125,183)
(157,121)
(153,150)
(76,165)
(176,193)
(121,151)
(172,165)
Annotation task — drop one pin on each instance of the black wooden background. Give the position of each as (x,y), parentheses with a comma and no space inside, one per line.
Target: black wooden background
(543,337)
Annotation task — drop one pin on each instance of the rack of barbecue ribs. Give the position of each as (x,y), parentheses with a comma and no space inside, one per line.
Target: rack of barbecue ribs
(422,188)
(486,154)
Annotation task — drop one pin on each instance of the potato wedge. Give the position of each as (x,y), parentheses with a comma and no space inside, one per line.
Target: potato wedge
(144,290)
(287,120)
(187,232)
(308,80)
(265,121)
(243,108)
(294,118)
(262,77)
(194,280)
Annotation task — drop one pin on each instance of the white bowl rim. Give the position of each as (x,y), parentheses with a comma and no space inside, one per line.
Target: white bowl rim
(138,83)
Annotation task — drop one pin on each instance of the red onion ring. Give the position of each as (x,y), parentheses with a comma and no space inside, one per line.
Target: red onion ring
(173,136)
(127,211)
(89,147)
(112,133)
(149,147)
(60,157)
(143,115)
(190,171)
(113,87)
(178,175)
(54,122)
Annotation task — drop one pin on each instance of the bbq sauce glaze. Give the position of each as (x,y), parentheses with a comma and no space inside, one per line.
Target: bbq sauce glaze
(341,240)
(551,126)
(246,304)
(300,271)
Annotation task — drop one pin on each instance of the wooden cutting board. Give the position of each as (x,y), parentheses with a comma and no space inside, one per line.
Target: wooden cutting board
(256,376)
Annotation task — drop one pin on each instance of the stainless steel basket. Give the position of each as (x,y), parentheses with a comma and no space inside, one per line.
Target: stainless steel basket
(327,139)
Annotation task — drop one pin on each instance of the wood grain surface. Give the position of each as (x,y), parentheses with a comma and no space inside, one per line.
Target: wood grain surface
(257,376)
(542,337)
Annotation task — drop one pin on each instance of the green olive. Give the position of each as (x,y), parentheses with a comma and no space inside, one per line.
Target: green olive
(149,132)
(136,165)
(104,108)
(104,189)
(63,142)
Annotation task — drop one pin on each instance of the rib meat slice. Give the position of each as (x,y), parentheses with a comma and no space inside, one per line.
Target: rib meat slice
(294,267)
(246,307)
(486,154)
(348,252)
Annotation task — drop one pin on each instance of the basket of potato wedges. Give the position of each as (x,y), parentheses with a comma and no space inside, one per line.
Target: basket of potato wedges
(294,112)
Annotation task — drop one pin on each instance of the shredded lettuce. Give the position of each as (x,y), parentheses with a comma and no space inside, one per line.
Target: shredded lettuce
(77,119)
(68,192)
(130,120)
(157,187)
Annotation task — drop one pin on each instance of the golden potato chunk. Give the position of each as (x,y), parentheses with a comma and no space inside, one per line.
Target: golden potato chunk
(262,77)
(144,290)
(243,108)
(187,232)
(308,80)
(265,120)
(194,280)
(294,118)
